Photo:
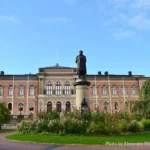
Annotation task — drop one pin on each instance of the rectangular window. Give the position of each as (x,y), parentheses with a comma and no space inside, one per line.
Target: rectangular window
(94,92)
(133,91)
(104,91)
(58,90)
(1,91)
(114,91)
(10,91)
(31,91)
(124,91)
(21,91)
(49,89)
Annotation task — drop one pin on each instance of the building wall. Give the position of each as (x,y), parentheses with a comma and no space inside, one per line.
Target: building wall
(5,83)
(129,83)
(41,99)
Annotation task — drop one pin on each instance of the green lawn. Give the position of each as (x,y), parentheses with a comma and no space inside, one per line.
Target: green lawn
(7,130)
(93,140)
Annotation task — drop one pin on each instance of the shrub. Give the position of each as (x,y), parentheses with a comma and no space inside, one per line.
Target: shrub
(54,126)
(51,115)
(94,128)
(136,126)
(98,117)
(147,125)
(122,127)
(87,123)
(72,126)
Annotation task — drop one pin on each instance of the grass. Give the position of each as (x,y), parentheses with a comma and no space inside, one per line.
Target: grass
(86,140)
(7,130)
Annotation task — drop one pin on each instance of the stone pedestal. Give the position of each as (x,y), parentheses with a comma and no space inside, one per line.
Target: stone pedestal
(82,86)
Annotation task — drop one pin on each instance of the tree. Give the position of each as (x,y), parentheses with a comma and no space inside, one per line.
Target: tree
(5,115)
(145,91)
(142,105)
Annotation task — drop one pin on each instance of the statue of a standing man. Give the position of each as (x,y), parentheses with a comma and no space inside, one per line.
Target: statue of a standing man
(81,64)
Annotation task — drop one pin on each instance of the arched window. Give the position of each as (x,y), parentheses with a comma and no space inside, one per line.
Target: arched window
(106,105)
(10,90)
(68,106)
(49,106)
(133,90)
(58,106)
(67,88)
(114,90)
(116,106)
(31,90)
(94,91)
(49,88)
(1,91)
(95,105)
(10,106)
(104,90)
(20,107)
(58,88)
(31,107)
(21,91)
(126,106)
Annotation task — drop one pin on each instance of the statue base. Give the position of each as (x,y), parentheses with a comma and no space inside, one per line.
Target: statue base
(82,87)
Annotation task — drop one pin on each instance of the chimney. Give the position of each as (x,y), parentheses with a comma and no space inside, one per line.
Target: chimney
(2,73)
(106,73)
(130,73)
(99,73)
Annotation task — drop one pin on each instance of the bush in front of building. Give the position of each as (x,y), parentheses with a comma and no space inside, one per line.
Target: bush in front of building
(5,114)
(147,125)
(51,115)
(85,123)
(136,126)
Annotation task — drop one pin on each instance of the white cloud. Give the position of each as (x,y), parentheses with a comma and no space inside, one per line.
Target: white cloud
(10,19)
(69,2)
(135,13)
(119,34)
(54,20)
(140,22)
(141,4)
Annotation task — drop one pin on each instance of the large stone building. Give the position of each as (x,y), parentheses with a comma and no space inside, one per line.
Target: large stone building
(53,88)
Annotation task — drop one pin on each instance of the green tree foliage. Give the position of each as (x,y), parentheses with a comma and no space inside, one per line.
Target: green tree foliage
(145,91)
(4,114)
(142,106)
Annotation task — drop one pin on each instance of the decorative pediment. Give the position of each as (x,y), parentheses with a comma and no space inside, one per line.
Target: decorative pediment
(124,86)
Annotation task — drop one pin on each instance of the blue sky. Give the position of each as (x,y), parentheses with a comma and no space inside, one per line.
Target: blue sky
(114,35)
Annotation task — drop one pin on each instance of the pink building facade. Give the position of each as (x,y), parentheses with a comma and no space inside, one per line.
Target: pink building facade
(53,88)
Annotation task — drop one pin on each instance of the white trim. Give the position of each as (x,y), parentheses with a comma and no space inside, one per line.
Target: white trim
(27,107)
(12,97)
(110,95)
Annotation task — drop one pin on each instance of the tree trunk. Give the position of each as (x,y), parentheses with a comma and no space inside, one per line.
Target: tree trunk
(0,127)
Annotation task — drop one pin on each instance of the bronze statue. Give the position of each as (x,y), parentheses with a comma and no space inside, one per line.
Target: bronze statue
(81,64)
